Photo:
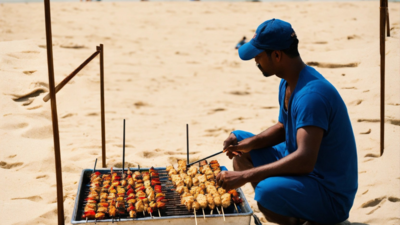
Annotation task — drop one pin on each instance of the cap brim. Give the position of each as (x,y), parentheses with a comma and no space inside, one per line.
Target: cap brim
(248,51)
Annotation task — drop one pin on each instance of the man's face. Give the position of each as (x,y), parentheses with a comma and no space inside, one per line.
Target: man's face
(265,64)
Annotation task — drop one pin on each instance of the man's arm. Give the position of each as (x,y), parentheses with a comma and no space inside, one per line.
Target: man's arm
(270,137)
(301,161)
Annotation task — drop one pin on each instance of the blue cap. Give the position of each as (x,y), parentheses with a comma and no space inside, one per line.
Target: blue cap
(273,34)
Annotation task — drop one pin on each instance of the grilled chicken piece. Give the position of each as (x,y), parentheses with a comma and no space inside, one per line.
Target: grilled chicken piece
(195,181)
(179,183)
(221,191)
(123,183)
(188,181)
(132,214)
(183,175)
(192,171)
(196,205)
(217,199)
(202,186)
(172,171)
(187,201)
(95,189)
(131,181)
(202,200)
(203,163)
(140,194)
(146,177)
(210,201)
(216,172)
(147,183)
(112,211)
(182,165)
(139,206)
(100,215)
(169,168)
(182,189)
(150,196)
(102,210)
(131,201)
(202,179)
(226,200)
(120,190)
(211,189)
(204,169)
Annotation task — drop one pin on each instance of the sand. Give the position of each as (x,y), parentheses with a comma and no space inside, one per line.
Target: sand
(169,64)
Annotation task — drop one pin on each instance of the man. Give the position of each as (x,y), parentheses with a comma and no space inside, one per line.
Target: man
(304,168)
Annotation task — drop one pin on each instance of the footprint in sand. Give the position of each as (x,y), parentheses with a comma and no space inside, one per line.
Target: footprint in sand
(35,198)
(366,132)
(239,93)
(28,97)
(6,165)
(356,102)
(374,202)
(41,176)
(29,72)
(332,65)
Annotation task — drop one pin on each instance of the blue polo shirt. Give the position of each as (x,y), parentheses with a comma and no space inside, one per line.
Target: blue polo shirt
(316,102)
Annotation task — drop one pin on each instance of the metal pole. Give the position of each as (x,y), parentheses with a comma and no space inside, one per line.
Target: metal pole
(103,118)
(387,19)
(187,142)
(382,26)
(56,138)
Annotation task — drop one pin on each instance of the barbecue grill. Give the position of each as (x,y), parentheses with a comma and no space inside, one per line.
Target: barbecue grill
(173,213)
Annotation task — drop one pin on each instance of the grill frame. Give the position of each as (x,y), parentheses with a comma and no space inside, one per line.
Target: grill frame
(243,217)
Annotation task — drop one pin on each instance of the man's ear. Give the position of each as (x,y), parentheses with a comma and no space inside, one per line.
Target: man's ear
(277,55)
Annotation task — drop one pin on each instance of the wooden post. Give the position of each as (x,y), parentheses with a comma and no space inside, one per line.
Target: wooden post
(56,138)
(382,26)
(103,120)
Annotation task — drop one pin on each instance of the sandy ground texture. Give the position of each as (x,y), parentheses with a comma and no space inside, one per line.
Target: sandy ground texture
(168,64)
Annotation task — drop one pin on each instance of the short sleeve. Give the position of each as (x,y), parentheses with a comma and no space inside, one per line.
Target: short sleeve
(312,109)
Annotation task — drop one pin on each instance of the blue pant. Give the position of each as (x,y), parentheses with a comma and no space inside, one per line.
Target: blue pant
(294,196)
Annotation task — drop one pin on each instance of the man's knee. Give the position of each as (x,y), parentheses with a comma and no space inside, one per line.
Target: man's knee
(242,163)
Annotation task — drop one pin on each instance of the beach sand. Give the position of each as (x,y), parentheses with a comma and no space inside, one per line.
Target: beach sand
(169,64)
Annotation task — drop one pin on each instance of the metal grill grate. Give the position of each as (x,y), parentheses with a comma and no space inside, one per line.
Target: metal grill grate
(173,208)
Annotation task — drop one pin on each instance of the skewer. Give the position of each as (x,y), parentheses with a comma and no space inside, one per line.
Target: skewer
(151,215)
(236,207)
(95,162)
(223,214)
(123,152)
(159,214)
(187,142)
(217,210)
(86,219)
(195,217)
(204,215)
(189,164)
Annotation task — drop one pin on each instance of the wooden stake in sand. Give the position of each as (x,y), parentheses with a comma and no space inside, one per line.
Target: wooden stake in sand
(56,137)
(384,20)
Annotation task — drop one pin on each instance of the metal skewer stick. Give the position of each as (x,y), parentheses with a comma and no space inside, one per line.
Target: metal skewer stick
(204,215)
(223,214)
(195,217)
(95,162)
(187,142)
(189,164)
(123,152)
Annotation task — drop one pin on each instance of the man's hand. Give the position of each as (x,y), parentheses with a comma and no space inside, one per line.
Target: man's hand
(230,141)
(231,179)
(232,150)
